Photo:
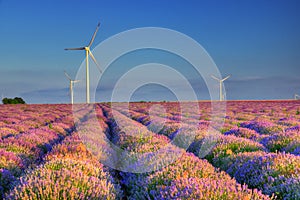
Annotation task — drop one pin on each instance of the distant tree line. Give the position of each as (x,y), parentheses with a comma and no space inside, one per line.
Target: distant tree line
(16,100)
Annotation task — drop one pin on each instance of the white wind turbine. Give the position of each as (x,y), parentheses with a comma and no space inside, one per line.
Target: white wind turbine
(221,84)
(71,86)
(87,54)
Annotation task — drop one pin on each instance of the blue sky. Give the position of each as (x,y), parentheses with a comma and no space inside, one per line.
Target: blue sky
(257,42)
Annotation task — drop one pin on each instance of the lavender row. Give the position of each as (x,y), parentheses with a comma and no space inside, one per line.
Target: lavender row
(26,150)
(69,171)
(25,118)
(230,149)
(282,137)
(187,177)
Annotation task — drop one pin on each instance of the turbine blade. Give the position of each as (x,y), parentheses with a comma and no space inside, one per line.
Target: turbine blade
(225,78)
(95,61)
(67,75)
(94,35)
(215,77)
(80,48)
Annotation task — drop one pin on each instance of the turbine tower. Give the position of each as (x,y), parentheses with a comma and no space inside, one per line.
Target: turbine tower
(71,86)
(221,83)
(87,54)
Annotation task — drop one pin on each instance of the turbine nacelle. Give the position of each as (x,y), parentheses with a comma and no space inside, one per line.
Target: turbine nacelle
(75,81)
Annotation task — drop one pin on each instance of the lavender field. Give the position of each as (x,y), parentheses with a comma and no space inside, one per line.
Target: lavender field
(256,156)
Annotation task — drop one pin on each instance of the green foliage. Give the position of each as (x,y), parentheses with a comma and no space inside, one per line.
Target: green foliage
(50,126)
(16,100)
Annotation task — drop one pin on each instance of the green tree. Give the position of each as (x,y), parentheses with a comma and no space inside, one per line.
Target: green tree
(16,100)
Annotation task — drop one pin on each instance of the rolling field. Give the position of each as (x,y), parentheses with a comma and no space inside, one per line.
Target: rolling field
(255,156)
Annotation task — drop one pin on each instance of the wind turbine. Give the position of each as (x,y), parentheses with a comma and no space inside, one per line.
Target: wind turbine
(87,54)
(71,85)
(221,83)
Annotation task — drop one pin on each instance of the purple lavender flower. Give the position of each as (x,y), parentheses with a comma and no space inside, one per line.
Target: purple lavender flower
(270,172)
(245,133)
(262,126)
(286,141)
